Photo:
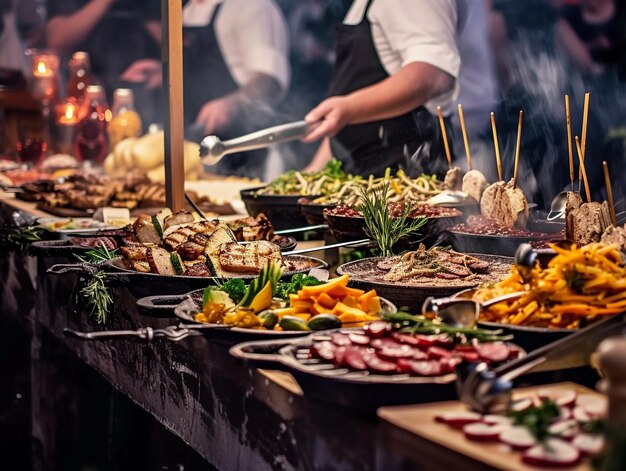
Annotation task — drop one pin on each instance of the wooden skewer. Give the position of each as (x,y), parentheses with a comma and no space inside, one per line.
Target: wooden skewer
(581,160)
(583,135)
(609,191)
(465,140)
(517,146)
(496,145)
(569,141)
(442,125)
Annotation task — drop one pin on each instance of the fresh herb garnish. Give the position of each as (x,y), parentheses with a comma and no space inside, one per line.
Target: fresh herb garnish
(575,280)
(285,288)
(235,288)
(97,296)
(98,255)
(409,323)
(380,226)
(537,419)
(20,239)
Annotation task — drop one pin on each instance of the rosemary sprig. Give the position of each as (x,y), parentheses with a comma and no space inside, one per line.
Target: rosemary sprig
(405,322)
(380,226)
(97,297)
(95,292)
(21,238)
(98,255)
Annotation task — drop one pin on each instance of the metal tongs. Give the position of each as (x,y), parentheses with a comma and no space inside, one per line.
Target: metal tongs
(212,149)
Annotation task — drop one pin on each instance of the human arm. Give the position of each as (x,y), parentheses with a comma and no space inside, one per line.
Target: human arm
(66,31)
(406,90)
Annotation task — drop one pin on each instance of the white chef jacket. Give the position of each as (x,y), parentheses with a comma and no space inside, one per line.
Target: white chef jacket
(252,35)
(406,31)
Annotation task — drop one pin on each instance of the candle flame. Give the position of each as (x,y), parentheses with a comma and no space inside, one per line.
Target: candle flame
(70,111)
(41,67)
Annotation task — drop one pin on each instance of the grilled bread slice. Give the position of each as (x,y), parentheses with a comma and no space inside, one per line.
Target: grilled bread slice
(160,261)
(249,258)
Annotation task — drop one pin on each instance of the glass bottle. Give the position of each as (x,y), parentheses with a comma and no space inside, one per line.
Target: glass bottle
(125,121)
(80,76)
(91,134)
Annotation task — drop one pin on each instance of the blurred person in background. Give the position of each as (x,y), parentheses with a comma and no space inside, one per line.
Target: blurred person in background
(12,55)
(115,33)
(588,32)
(396,61)
(236,70)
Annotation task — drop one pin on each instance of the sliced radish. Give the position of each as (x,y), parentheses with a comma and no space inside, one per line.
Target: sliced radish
(354,359)
(595,406)
(589,444)
(324,350)
(392,353)
(458,419)
(581,415)
(552,453)
(376,329)
(518,437)
(448,365)
(340,356)
(564,414)
(562,397)
(359,339)
(384,342)
(437,352)
(419,355)
(405,338)
(426,368)
(494,419)
(483,432)
(566,429)
(404,365)
(377,365)
(521,404)
(493,351)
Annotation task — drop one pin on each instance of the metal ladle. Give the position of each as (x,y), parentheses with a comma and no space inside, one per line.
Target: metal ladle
(212,149)
(557,206)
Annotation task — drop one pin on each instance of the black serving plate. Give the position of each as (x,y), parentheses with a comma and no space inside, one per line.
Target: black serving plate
(347,228)
(60,248)
(282,210)
(342,387)
(146,284)
(186,306)
(405,295)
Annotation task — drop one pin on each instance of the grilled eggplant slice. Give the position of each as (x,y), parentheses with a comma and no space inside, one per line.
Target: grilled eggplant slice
(179,217)
(145,231)
(160,261)
(221,236)
(248,258)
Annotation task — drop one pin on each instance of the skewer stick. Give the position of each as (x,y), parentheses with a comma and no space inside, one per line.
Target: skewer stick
(609,191)
(517,146)
(583,135)
(442,125)
(581,160)
(569,141)
(465,140)
(496,145)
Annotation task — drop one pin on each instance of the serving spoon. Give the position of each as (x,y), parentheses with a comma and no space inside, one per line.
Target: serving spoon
(212,149)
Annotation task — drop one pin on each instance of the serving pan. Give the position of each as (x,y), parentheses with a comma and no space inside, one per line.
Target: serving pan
(313,212)
(351,389)
(405,295)
(186,306)
(146,284)
(282,210)
(346,228)
(63,248)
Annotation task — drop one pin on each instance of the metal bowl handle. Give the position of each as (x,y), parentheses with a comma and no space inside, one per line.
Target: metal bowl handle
(261,353)
(82,268)
(160,304)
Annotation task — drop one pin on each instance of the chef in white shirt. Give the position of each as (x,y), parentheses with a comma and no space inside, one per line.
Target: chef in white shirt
(397,60)
(235,59)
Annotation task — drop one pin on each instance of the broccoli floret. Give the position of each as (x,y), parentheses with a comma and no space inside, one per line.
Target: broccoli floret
(236,289)
(284,289)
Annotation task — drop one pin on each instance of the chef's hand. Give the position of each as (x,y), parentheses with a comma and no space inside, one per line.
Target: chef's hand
(217,114)
(146,71)
(334,113)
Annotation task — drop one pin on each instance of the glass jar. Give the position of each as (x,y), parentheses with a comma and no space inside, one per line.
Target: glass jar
(125,121)
(91,134)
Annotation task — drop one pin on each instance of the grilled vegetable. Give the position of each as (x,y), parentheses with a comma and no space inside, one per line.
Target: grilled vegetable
(248,258)
(236,289)
(268,318)
(212,251)
(177,263)
(174,219)
(271,273)
(298,281)
(293,323)
(324,322)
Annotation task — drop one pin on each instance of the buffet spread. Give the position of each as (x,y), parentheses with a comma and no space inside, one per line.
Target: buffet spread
(453,276)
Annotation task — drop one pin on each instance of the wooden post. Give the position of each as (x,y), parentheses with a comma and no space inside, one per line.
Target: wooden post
(172,57)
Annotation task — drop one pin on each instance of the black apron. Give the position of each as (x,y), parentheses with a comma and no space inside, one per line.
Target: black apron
(411,141)
(206,78)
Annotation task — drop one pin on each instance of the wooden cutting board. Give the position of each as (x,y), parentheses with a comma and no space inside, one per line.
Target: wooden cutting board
(420,420)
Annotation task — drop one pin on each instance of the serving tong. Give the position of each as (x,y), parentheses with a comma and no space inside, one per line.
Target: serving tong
(212,149)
